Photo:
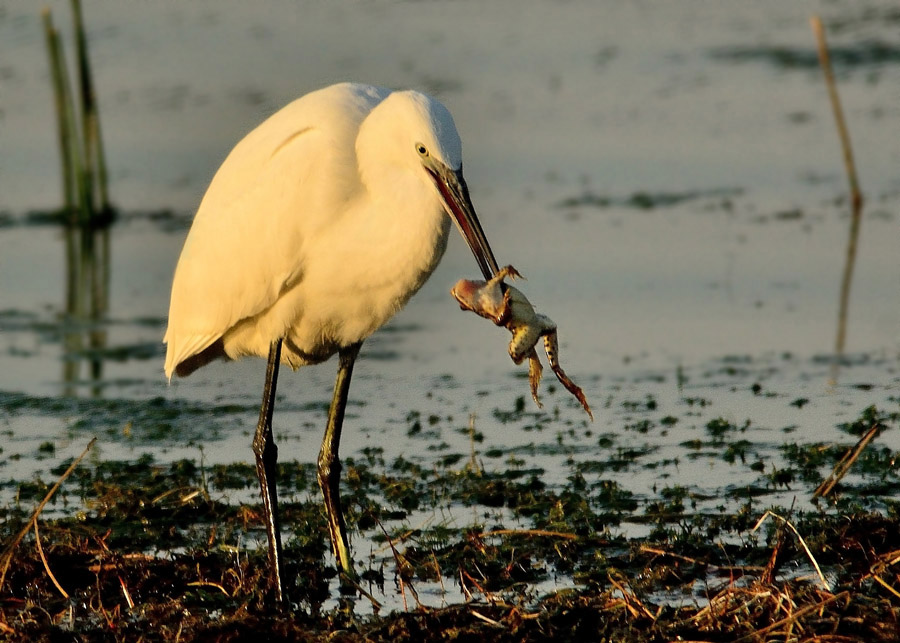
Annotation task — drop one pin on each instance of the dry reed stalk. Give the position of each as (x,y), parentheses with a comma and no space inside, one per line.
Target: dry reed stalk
(886,560)
(10,549)
(802,542)
(632,603)
(792,619)
(884,584)
(125,592)
(856,197)
(843,466)
(487,620)
(94,158)
(81,149)
(67,137)
(528,532)
(662,552)
(40,550)
(204,583)
(770,570)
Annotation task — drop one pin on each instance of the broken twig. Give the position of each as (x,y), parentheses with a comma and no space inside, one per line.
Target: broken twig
(7,554)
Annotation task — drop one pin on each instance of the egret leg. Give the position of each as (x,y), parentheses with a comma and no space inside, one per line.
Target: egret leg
(329,465)
(266,460)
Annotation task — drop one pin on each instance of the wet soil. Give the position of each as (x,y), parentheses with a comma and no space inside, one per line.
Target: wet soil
(150,551)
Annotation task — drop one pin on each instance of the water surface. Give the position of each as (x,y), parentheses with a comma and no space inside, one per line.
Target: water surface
(666,176)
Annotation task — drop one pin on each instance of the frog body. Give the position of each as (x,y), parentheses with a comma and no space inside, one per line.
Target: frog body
(507,306)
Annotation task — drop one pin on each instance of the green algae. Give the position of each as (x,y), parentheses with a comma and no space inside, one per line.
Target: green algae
(136,523)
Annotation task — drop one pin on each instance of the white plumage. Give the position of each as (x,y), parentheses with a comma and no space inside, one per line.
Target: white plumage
(317,228)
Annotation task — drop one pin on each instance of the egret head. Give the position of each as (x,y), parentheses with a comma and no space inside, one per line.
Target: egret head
(439,138)
(420,130)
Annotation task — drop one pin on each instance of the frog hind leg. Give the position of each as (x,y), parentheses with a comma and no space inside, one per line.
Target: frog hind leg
(535,370)
(519,349)
(551,345)
(524,339)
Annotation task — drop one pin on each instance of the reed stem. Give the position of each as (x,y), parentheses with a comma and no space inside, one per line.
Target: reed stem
(57,74)
(94,158)
(81,150)
(856,197)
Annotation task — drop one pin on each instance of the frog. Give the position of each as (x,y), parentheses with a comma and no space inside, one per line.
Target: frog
(508,306)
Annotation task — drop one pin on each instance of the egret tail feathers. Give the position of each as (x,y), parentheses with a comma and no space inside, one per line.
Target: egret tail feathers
(182,348)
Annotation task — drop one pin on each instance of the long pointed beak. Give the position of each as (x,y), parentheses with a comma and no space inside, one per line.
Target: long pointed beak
(455,194)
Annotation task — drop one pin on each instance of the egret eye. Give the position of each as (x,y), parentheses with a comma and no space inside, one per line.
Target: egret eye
(421,149)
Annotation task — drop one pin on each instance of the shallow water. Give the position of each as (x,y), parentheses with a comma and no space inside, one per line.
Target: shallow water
(667,177)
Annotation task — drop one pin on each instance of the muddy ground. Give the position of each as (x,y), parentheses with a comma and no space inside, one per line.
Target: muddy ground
(157,552)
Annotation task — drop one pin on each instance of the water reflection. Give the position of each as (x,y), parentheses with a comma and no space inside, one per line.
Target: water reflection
(87,302)
(844,297)
(86,213)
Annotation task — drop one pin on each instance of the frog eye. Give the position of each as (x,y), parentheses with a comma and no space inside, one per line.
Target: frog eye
(422,150)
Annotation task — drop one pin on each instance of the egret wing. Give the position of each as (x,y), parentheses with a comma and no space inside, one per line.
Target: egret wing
(275,191)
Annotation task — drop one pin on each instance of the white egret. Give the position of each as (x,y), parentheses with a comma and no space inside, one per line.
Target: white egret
(319,226)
